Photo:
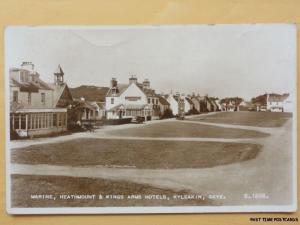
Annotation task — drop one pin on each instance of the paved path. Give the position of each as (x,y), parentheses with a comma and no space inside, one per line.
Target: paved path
(223,125)
(269,173)
(97,134)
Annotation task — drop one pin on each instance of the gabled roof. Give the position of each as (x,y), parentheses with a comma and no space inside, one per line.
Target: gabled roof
(176,97)
(87,105)
(101,105)
(58,90)
(189,100)
(30,86)
(277,97)
(213,101)
(120,89)
(149,92)
(163,101)
(196,98)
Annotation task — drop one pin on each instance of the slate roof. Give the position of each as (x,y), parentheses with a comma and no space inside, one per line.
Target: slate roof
(101,105)
(277,97)
(163,101)
(213,101)
(57,91)
(120,89)
(189,100)
(30,86)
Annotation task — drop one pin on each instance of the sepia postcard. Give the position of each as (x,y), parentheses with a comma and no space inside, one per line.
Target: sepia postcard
(151,119)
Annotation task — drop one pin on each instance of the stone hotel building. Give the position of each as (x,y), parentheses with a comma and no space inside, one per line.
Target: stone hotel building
(36,107)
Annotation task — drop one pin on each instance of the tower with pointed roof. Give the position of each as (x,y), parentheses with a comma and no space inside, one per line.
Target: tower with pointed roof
(59,76)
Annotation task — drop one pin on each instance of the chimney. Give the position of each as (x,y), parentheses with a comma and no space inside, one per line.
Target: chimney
(113,82)
(35,77)
(146,84)
(133,79)
(28,66)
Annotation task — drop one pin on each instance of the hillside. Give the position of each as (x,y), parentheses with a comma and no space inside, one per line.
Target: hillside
(90,93)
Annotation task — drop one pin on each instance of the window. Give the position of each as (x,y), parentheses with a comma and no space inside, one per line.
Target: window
(29,98)
(153,101)
(15,96)
(23,121)
(112,101)
(60,115)
(114,91)
(54,119)
(63,120)
(43,98)
(149,100)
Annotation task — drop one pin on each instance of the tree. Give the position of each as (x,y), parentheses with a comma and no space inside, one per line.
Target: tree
(236,100)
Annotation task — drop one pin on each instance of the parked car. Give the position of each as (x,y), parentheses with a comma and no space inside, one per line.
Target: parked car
(180,117)
(263,109)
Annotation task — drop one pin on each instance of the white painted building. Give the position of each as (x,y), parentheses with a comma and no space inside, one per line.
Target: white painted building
(173,104)
(128,100)
(188,104)
(177,103)
(279,103)
(36,107)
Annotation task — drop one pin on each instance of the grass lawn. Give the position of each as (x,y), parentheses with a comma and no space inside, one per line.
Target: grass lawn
(259,119)
(23,186)
(179,129)
(136,153)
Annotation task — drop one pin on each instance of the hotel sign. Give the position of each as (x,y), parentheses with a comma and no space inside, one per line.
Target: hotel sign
(132,98)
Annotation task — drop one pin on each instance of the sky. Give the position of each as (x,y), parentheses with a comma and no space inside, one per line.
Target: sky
(218,60)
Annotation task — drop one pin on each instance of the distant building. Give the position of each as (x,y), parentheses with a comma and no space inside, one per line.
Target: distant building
(89,111)
(131,100)
(209,104)
(273,102)
(163,104)
(37,107)
(279,103)
(176,103)
(188,104)
(230,104)
(196,103)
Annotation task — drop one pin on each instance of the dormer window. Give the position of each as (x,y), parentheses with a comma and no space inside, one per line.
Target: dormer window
(114,90)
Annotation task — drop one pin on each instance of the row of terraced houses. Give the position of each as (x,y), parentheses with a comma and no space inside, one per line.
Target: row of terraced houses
(41,108)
